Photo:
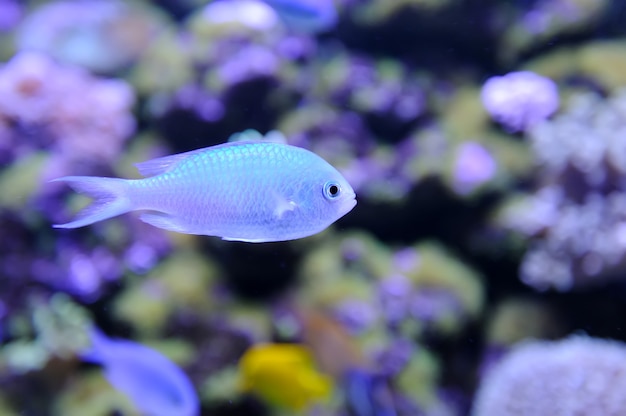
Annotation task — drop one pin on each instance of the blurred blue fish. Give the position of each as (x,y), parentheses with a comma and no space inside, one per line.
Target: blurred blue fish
(253,191)
(310,16)
(155,385)
(367,394)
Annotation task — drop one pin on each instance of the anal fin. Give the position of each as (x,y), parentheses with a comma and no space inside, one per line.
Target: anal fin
(164,221)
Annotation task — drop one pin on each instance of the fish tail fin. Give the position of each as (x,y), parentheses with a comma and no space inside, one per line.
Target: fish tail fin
(110,199)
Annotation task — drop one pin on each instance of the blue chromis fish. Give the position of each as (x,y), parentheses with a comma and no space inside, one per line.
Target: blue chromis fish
(367,394)
(310,16)
(255,191)
(155,385)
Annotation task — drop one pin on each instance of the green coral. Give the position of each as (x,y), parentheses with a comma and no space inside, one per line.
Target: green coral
(516,319)
(19,181)
(91,394)
(223,385)
(551,19)
(170,54)
(419,378)
(182,282)
(437,268)
(22,356)
(59,329)
(379,11)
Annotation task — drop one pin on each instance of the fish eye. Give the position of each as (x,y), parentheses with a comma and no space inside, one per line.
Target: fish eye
(331,190)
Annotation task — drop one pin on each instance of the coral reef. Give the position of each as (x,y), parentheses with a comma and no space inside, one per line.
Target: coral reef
(386,297)
(485,141)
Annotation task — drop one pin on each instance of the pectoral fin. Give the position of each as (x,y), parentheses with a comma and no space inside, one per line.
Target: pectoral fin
(284,205)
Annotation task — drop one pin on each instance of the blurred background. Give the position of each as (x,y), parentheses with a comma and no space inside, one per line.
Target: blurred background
(481,273)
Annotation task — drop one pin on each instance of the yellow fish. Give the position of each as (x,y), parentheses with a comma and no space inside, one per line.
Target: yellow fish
(283,375)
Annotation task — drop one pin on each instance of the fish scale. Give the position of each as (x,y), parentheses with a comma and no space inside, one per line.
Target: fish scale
(244,191)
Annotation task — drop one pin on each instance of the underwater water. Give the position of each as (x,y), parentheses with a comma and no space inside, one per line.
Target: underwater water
(481,272)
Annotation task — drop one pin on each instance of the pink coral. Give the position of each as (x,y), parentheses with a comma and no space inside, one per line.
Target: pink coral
(520,100)
(73,111)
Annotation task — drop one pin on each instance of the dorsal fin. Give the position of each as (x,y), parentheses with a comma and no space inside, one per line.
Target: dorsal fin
(163,164)
(160,165)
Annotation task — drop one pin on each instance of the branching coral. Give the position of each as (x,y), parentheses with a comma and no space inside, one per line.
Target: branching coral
(577,218)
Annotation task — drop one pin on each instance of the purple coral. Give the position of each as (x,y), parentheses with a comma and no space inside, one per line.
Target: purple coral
(520,100)
(357,316)
(474,166)
(585,243)
(27,88)
(78,270)
(10,14)
(575,376)
(383,88)
(249,63)
(394,297)
(577,219)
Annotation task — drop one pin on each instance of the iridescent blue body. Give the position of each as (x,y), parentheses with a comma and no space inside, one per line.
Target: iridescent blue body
(246,191)
(154,384)
(306,15)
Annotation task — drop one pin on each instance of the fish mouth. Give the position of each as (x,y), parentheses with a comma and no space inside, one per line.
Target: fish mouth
(349,204)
